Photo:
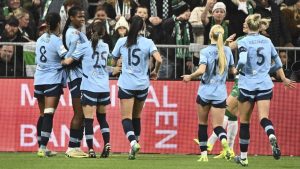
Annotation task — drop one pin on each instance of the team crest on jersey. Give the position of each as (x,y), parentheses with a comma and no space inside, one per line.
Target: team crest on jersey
(76,32)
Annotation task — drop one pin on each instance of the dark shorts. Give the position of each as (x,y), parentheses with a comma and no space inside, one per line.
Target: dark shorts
(74,87)
(213,103)
(253,96)
(94,99)
(51,90)
(128,94)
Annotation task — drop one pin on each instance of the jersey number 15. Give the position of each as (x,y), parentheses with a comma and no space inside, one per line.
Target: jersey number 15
(132,55)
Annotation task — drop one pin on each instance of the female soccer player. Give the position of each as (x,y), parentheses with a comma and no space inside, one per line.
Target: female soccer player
(95,85)
(71,37)
(255,85)
(48,80)
(215,60)
(135,51)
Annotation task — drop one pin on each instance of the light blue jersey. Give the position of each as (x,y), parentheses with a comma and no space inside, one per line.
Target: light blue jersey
(73,39)
(212,83)
(256,52)
(48,54)
(135,63)
(95,76)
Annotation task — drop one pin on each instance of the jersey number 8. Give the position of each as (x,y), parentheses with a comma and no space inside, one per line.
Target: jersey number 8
(43,57)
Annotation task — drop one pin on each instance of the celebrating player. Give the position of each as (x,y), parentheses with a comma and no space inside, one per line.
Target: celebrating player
(255,85)
(134,81)
(48,79)
(71,37)
(215,60)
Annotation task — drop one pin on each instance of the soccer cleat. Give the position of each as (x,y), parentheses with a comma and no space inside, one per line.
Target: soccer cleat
(42,152)
(226,150)
(275,148)
(76,153)
(105,151)
(134,149)
(243,162)
(232,154)
(50,153)
(223,154)
(209,147)
(203,158)
(92,153)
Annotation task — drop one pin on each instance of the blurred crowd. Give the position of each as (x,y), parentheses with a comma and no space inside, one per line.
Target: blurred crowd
(177,22)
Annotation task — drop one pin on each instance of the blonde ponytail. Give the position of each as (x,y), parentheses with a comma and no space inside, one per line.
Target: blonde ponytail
(221,54)
(216,35)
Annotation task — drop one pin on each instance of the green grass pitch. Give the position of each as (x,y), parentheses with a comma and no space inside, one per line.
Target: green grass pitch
(143,161)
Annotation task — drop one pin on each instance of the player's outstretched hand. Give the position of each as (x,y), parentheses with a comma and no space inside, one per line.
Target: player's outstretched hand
(289,83)
(186,78)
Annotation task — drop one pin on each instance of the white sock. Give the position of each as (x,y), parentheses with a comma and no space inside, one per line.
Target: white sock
(232,129)
(133,142)
(225,121)
(272,136)
(69,149)
(244,155)
(212,139)
(204,153)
